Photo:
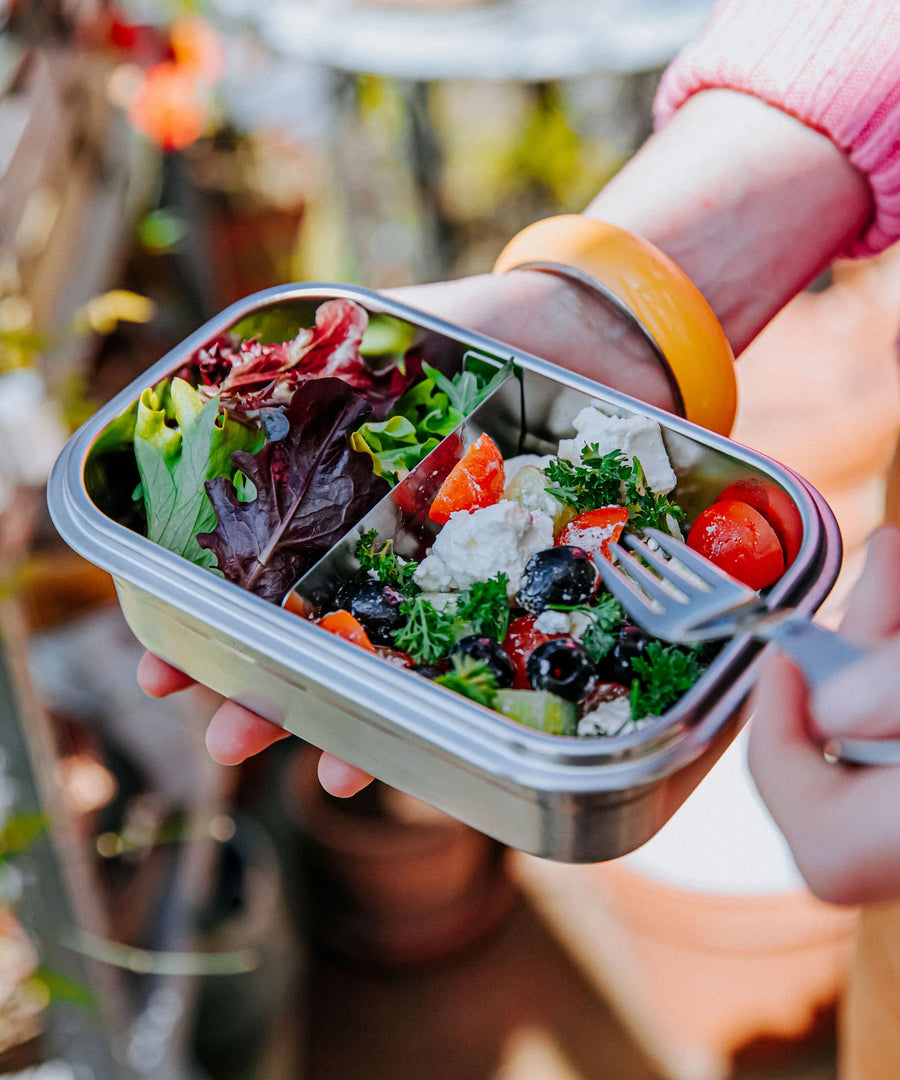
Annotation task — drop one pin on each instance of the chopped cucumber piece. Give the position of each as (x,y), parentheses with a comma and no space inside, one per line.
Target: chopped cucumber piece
(528,488)
(539,709)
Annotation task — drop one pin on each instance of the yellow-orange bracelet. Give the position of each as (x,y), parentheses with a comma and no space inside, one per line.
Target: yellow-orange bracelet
(659,296)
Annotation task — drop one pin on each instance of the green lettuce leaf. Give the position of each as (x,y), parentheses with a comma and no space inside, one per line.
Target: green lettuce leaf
(180,442)
(419,420)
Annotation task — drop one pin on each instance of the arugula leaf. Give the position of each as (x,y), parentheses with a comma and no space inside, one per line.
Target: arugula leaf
(311,488)
(382,560)
(485,607)
(428,633)
(180,441)
(665,672)
(472,678)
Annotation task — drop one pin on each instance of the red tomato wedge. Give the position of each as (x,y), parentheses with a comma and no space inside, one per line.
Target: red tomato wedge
(520,642)
(776,506)
(740,541)
(348,627)
(595,530)
(476,480)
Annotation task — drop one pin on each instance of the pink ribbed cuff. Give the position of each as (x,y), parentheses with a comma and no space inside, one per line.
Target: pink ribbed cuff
(834,64)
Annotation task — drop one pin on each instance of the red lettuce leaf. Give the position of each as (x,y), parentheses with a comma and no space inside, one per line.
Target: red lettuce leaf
(250,375)
(311,488)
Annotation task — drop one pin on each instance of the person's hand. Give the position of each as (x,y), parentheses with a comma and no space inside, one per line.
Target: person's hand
(842,822)
(235,733)
(540,313)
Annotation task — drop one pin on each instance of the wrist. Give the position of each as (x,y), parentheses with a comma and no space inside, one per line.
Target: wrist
(556,319)
(639,280)
(749,201)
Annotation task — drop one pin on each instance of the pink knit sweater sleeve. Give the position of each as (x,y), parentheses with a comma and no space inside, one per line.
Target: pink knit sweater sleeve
(834,64)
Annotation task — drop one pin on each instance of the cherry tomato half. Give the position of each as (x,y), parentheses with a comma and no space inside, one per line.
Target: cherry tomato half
(776,506)
(740,541)
(520,642)
(595,530)
(348,627)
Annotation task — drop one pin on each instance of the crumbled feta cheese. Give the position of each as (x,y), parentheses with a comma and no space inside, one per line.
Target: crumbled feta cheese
(552,622)
(441,601)
(478,545)
(609,718)
(638,436)
(579,621)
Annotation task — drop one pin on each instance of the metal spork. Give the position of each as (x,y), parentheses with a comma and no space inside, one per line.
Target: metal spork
(678,595)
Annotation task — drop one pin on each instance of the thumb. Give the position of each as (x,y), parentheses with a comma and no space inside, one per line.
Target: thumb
(862,699)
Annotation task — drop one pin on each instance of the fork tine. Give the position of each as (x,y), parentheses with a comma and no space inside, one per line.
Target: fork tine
(668,570)
(694,562)
(652,585)
(626,591)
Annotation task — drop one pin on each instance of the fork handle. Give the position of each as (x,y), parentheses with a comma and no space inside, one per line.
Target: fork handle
(821,653)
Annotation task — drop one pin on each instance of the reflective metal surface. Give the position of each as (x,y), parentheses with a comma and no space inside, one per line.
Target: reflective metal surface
(577,800)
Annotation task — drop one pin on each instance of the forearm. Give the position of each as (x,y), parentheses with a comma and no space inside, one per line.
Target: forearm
(750,202)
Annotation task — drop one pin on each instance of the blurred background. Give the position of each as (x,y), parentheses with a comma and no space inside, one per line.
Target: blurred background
(163,917)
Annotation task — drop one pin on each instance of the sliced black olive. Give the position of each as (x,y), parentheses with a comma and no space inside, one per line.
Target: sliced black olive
(490,652)
(377,607)
(563,575)
(562,667)
(616,666)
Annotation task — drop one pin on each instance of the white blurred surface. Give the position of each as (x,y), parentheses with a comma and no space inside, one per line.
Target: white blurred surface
(519,40)
(723,840)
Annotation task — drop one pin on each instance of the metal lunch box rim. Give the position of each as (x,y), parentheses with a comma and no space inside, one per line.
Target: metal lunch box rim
(332,653)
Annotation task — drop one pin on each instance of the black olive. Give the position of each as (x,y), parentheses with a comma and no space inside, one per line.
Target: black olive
(616,666)
(560,575)
(427,671)
(348,589)
(490,652)
(377,607)
(562,667)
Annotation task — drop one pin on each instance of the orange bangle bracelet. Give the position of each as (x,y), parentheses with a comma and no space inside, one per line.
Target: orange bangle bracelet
(657,294)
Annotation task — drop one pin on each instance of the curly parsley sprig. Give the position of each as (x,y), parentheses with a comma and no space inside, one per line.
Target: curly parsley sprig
(381,560)
(597,481)
(472,678)
(604,620)
(664,673)
(611,479)
(485,607)
(428,633)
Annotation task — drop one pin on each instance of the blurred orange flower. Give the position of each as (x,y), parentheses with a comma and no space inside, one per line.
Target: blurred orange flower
(197,48)
(170,106)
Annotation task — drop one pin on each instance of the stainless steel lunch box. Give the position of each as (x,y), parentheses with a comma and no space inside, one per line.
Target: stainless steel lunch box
(574,800)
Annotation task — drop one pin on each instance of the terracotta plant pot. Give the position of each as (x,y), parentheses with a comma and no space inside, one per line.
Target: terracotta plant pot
(391,880)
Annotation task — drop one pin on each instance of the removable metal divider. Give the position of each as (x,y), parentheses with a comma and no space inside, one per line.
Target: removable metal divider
(560,797)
